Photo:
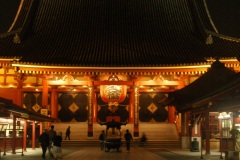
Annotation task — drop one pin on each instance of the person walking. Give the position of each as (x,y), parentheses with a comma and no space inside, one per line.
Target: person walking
(128,138)
(44,141)
(57,146)
(102,139)
(51,133)
(68,133)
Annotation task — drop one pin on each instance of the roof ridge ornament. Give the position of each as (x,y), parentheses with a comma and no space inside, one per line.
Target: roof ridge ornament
(113,78)
(16,38)
(209,39)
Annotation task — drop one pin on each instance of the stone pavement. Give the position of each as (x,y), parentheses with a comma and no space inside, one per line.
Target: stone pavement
(136,153)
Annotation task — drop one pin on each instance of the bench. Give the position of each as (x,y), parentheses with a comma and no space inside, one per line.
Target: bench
(231,155)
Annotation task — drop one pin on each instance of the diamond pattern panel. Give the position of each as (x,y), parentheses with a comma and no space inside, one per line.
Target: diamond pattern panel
(72,107)
(33,101)
(151,109)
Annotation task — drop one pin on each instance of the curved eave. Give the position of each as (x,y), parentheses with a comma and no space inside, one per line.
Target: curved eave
(198,68)
(181,66)
(8,108)
(45,69)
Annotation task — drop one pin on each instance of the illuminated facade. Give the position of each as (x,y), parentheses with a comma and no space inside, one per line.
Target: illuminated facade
(95,59)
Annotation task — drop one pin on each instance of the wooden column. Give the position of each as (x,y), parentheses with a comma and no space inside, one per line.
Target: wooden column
(45,98)
(171,114)
(45,92)
(14,136)
(207,132)
(190,124)
(90,109)
(95,107)
(54,105)
(20,103)
(25,135)
(136,109)
(41,130)
(184,124)
(33,134)
(131,106)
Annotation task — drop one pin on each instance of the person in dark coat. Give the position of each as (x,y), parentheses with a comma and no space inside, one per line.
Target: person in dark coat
(44,141)
(57,146)
(102,139)
(68,133)
(143,139)
(128,138)
(51,133)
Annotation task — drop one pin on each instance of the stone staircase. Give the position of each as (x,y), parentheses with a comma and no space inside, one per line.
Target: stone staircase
(161,135)
(149,144)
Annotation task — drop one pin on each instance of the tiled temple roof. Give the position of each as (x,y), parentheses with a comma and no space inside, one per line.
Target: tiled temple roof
(113,33)
(209,84)
(8,107)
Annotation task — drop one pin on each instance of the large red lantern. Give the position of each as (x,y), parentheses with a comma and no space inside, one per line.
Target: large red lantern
(113,93)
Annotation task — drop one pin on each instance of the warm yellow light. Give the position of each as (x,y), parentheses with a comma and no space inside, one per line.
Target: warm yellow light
(224,115)
(220,116)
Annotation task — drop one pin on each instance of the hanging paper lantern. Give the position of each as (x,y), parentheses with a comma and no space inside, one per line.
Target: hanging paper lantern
(113,93)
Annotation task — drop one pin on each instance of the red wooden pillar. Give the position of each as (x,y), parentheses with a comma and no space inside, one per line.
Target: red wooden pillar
(25,135)
(54,105)
(95,107)
(19,102)
(136,109)
(14,136)
(45,97)
(131,106)
(33,134)
(90,109)
(45,92)
(207,132)
(171,114)
(19,92)
(41,129)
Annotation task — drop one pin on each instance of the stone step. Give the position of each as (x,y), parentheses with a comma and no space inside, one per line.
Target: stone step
(158,131)
(155,144)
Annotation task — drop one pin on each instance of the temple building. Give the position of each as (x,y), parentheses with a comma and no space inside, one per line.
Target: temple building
(84,63)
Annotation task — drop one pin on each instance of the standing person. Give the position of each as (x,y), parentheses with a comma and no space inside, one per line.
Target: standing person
(57,146)
(44,140)
(128,138)
(68,133)
(102,139)
(51,133)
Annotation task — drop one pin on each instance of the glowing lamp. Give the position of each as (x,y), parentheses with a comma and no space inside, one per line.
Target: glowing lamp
(113,93)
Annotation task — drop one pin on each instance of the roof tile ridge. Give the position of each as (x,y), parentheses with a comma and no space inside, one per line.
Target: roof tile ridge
(228,38)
